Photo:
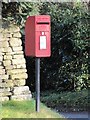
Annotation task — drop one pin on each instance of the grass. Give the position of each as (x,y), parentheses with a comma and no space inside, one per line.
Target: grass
(67,101)
(26,109)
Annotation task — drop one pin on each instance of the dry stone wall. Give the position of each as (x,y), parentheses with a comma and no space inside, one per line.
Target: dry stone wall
(13,73)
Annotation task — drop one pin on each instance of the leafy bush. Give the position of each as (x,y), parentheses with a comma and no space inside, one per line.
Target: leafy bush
(68,66)
(66,101)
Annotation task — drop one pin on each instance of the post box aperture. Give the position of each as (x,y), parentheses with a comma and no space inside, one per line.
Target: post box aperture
(37,36)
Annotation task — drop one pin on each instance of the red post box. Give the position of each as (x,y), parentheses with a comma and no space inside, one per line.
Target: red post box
(37,36)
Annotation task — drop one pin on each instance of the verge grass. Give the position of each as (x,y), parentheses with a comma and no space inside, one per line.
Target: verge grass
(26,109)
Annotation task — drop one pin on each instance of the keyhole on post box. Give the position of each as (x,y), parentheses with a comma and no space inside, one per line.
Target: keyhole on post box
(43,41)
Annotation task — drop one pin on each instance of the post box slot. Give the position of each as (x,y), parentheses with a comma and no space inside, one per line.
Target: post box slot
(42,22)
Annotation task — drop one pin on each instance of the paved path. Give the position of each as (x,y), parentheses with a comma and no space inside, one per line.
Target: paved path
(76,115)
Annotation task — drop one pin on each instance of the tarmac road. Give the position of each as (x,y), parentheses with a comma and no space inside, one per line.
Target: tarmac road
(76,115)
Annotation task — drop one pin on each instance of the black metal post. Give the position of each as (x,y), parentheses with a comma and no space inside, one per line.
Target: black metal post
(37,77)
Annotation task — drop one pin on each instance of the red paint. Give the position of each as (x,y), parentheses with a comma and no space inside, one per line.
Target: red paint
(37,36)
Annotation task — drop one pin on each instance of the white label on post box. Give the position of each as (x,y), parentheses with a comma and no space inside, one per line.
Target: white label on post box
(42,42)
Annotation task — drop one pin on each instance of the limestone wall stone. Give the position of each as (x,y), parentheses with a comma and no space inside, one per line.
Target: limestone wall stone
(13,73)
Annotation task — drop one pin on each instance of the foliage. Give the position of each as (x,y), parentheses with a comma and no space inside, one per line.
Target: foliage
(68,65)
(66,101)
(18,12)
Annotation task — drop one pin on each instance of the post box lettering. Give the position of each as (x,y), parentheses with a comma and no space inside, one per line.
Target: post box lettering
(37,36)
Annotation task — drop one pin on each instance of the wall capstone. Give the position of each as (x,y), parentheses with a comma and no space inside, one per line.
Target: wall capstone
(12,66)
